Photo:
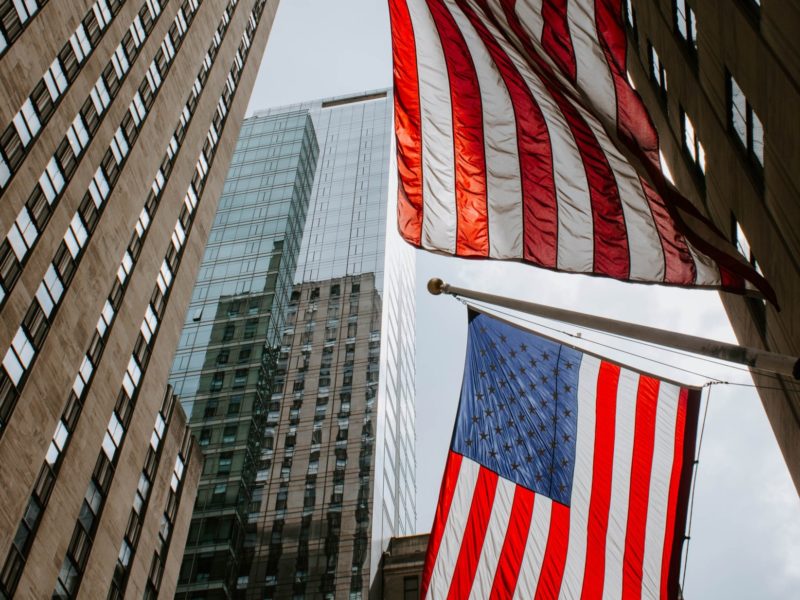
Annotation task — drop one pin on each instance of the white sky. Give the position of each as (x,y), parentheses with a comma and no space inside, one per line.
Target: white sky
(746,530)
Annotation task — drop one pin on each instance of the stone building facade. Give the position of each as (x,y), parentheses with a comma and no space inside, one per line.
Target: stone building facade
(721,82)
(117,121)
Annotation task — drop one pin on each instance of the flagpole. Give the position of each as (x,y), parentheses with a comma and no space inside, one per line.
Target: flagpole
(752,357)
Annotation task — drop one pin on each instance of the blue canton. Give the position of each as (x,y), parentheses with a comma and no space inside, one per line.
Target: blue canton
(518,414)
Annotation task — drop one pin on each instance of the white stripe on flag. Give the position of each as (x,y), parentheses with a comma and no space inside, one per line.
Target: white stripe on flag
(534,549)
(575,224)
(438,178)
(453,535)
(530,14)
(663,455)
(591,67)
(503,182)
(582,480)
(707,269)
(620,483)
(493,542)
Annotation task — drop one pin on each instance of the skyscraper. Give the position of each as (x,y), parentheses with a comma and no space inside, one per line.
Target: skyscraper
(117,121)
(225,362)
(720,80)
(335,469)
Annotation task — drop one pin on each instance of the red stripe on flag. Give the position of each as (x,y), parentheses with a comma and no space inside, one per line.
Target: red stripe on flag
(644,434)
(555,554)
(408,123)
(474,533)
(539,204)
(633,120)
(556,39)
(600,502)
(610,237)
(449,481)
(472,232)
(679,266)
(688,411)
(510,560)
(674,484)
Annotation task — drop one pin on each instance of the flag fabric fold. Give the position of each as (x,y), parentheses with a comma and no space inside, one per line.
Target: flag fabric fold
(567,477)
(519,137)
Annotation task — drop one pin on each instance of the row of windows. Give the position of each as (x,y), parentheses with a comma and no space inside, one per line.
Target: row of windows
(74,563)
(105,320)
(32,332)
(742,121)
(49,471)
(15,15)
(168,519)
(140,499)
(46,194)
(41,104)
(15,561)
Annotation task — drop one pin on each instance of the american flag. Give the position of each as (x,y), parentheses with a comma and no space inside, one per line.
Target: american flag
(519,137)
(568,476)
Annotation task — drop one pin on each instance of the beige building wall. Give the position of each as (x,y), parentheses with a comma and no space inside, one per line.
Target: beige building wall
(401,567)
(195,89)
(760,48)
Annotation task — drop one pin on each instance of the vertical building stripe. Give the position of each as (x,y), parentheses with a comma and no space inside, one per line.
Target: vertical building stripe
(449,482)
(594,570)
(510,561)
(436,113)
(582,480)
(639,496)
(473,535)
(494,541)
(407,123)
(472,234)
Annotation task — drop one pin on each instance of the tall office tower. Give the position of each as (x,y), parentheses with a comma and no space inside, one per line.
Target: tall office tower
(344,459)
(729,129)
(224,366)
(334,471)
(117,121)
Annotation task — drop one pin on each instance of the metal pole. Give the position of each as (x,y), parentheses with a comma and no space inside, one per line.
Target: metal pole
(752,357)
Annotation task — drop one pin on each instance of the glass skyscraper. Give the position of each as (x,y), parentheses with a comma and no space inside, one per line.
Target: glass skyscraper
(223,367)
(350,247)
(332,474)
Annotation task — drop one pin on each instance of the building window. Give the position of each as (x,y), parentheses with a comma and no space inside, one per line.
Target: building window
(26,122)
(657,72)
(757,305)
(746,125)
(240,378)
(685,23)
(410,588)
(692,145)
(630,18)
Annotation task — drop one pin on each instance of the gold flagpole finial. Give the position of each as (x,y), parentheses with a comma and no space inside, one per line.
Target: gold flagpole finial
(436,286)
